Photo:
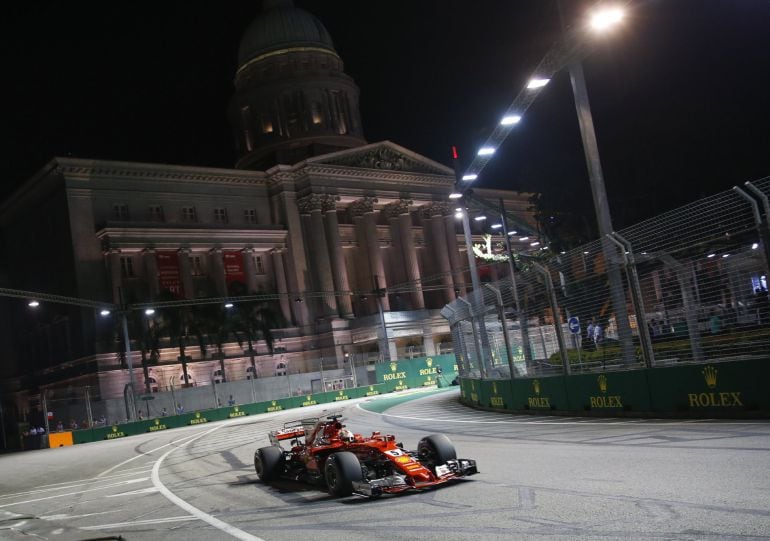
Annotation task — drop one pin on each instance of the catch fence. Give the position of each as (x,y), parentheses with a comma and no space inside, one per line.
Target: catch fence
(687,286)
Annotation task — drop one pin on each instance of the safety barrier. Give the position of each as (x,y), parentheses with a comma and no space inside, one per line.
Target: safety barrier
(732,389)
(393,376)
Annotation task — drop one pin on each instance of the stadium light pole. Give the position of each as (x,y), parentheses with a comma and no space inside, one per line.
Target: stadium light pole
(604,20)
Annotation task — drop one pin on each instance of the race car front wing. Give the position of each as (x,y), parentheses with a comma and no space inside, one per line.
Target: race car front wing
(452,469)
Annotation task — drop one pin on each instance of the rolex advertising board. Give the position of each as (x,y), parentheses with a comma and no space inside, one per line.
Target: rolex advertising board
(419,372)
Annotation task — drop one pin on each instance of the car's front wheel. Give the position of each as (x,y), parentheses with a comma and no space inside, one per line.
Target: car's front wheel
(268,462)
(436,449)
(341,470)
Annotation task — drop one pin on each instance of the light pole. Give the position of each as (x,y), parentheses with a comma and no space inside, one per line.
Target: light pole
(601,21)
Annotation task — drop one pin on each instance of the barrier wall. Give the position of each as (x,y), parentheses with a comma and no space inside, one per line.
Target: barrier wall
(727,389)
(417,372)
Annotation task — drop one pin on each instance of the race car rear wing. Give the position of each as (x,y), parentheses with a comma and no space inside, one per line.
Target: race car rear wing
(293,430)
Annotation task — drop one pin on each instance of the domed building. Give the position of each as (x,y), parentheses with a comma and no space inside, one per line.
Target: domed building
(311,216)
(293,99)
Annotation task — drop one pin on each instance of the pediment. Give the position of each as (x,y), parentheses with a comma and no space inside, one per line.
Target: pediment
(384,156)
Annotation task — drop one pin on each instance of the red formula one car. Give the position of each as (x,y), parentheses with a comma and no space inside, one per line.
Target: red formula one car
(323,451)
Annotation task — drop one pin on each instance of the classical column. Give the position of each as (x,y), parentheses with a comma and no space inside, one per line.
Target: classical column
(280,284)
(311,204)
(435,213)
(186,273)
(458,274)
(116,274)
(151,272)
(365,207)
(251,271)
(399,211)
(218,271)
(339,269)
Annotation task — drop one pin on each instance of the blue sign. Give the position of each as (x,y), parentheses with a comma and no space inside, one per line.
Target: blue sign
(574,325)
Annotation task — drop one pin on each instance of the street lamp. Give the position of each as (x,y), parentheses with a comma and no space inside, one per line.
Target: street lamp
(601,21)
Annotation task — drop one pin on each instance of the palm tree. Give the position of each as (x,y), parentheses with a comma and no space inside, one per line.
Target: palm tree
(218,327)
(179,323)
(255,321)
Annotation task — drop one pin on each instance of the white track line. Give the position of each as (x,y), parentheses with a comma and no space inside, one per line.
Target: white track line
(179,502)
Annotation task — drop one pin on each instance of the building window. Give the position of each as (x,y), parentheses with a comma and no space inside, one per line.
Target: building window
(127,267)
(259,265)
(155,213)
(250,216)
(220,215)
(315,110)
(267,125)
(197,266)
(189,214)
(120,211)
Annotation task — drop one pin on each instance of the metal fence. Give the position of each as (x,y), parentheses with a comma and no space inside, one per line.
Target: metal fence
(689,285)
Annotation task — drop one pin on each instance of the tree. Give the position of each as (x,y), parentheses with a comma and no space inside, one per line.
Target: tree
(179,323)
(255,321)
(218,326)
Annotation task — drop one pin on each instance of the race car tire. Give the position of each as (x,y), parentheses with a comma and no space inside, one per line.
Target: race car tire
(268,462)
(436,449)
(340,471)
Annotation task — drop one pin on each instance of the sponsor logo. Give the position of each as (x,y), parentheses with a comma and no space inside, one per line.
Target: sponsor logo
(274,406)
(115,433)
(341,396)
(309,401)
(496,401)
(402,386)
(429,362)
(604,401)
(237,412)
(428,382)
(395,376)
(157,426)
(198,419)
(393,366)
(427,371)
(713,399)
(474,395)
(537,401)
(371,391)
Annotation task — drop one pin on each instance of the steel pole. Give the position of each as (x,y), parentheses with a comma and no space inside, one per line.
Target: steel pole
(129,364)
(598,191)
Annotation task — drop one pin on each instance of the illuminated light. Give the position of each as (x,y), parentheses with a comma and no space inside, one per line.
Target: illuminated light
(524,238)
(480,218)
(470,177)
(754,246)
(33,304)
(455,195)
(536,243)
(459,209)
(105,313)
(149,312)
(606,18)
(459,214)
(726,255)
(537,82)
(510,120)
(455,155)
(497,226)
(486,151)
(562,253)
(229,305)
(511,233)
(586,253)
(711,255)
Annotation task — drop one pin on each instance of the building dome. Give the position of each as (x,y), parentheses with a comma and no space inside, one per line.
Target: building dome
(292,99)
(280,26)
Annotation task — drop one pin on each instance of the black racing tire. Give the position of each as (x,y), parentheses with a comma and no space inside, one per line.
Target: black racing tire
(341,470)
(268,462)
(436,449)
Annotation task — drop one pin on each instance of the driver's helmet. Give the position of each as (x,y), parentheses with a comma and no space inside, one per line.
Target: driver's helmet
(346,435)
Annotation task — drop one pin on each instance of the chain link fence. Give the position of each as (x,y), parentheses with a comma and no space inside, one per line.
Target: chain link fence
(687,286)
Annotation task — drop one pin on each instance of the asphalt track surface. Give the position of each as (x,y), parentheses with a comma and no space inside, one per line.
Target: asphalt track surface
(542,478)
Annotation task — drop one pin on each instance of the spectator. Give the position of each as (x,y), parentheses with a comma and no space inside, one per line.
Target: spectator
(140,415)
(163,412)
(179,408)
(73,424)
(59,427)
(102,420)
(598,335)
(590,335)
(231,401)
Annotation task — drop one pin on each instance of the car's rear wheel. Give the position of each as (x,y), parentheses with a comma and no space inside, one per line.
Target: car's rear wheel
(341,470)
(268,462)
(436,449)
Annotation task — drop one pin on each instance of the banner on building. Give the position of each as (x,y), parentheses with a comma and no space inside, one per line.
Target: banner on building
(234,268)
(169,275)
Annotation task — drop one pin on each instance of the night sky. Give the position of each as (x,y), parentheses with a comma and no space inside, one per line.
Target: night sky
(680,96)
